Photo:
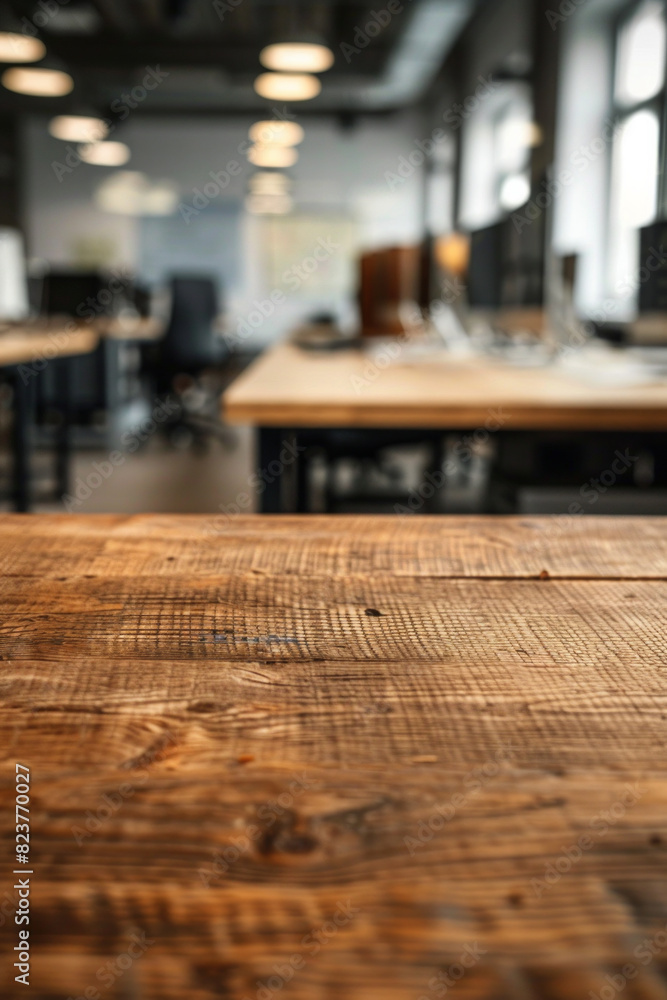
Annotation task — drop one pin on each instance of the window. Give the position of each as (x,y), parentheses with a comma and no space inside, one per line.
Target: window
(514,135)
(638,107)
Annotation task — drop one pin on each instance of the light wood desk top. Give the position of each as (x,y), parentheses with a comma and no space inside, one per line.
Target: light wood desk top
(328,738)
(146,328)
(22,343)
(289,387)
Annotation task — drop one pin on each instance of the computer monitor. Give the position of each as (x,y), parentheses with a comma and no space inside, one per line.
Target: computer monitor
(485,267)
(653,268)
(507,266)
(14,303)
(74,293)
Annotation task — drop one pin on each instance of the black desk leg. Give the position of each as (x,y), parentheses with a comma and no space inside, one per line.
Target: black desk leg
(302,481)
(22,441)
(271,442)
(63,447)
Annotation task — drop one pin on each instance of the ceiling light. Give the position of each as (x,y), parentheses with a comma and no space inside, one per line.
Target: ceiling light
(128,192)
(37,81)
(259,204)
(287,86)
(266,182)
(78,128)
(19,48)
(276,133)
(273,156)
(514,192)
(297,57)
(105,154)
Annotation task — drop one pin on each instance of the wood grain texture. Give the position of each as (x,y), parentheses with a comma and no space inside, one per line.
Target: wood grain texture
(44,339)
(289,387)
(388,734)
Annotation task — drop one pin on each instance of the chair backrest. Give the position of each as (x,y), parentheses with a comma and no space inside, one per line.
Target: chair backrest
(191,339)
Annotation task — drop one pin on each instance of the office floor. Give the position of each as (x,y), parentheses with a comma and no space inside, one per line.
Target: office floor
(156,479)
(160,478)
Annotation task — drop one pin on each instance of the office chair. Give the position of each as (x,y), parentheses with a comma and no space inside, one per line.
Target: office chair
(186,359)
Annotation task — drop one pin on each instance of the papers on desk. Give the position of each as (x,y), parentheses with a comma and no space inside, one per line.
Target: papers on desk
(599,364)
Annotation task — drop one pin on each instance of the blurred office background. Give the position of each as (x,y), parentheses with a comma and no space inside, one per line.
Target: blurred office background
(498,163)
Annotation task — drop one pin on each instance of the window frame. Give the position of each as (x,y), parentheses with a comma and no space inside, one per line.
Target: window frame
(620,112)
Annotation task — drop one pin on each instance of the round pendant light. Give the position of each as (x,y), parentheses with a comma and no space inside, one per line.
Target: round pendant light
(105,154)
(275,133)
(78,128)
(273,156)
(287,86)
(262,204)
(297,57)
(20,48)
(269,182)
(37,81)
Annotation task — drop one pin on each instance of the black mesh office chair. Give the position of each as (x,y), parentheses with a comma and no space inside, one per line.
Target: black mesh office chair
(185,360)
(191,343)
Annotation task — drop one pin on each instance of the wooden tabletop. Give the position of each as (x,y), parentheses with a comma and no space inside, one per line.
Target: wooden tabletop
(354,758)
(43,340)
(145,328)
(290,387)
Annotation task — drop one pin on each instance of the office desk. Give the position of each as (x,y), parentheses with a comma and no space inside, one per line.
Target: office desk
(324,751)
(25,343)
(144,328)
(288,388)
(24,350)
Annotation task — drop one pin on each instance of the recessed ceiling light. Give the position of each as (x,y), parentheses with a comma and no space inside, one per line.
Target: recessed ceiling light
(16,48)
(78,128)
(105,154)
(276,133)
(297,57)
(273,156)
(287,86)
(37,81)
(260,204)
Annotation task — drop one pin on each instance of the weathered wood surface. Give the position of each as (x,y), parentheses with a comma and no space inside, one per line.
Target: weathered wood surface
(289,387)
(308,693)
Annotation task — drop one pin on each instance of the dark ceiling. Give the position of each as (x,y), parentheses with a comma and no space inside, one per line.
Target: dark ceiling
(211,48)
